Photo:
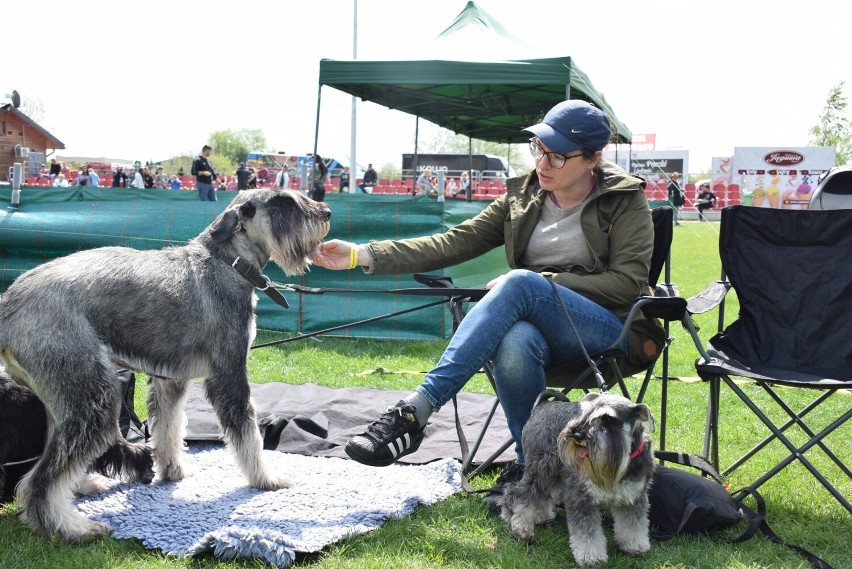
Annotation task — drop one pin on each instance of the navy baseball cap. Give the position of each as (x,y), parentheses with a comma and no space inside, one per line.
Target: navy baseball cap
(573,125)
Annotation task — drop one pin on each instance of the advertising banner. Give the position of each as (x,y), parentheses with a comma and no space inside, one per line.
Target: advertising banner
(780,177)
(658,165)
(620,153)
(654,165)
(720,170)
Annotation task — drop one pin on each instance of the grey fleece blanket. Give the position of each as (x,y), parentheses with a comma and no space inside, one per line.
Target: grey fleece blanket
(216,512)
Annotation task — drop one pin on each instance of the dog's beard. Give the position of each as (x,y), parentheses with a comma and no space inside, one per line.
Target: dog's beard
(292,251)
(602,463)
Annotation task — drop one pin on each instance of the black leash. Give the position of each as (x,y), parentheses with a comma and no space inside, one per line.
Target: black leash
(260,281)
(19,462)
(599,379)
(271,289)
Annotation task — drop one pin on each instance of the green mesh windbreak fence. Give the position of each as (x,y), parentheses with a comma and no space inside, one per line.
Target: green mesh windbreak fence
(52,223)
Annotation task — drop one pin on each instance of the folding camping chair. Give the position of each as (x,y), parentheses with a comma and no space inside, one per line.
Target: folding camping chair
(834,190)
(792,275)
(612,363)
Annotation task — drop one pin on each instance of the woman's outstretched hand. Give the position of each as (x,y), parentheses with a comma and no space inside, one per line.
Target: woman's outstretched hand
(333,254)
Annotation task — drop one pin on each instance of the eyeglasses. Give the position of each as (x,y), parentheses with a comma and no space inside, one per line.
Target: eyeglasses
(555,159)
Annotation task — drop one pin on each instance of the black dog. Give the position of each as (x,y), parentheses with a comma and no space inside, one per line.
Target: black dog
(23,430)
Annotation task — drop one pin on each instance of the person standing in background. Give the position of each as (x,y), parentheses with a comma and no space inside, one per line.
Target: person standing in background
(55,167)
(204,175)
(675,196)
(161,180)
(282,179)
(119,179)
(242,175)
(317,192)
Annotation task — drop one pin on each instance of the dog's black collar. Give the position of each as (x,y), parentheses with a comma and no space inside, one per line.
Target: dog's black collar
(260,281)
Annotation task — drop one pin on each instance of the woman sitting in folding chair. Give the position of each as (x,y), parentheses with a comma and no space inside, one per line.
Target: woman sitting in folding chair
(578,221)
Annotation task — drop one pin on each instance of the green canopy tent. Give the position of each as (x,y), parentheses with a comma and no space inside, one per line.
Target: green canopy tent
(483,100)
(487,100)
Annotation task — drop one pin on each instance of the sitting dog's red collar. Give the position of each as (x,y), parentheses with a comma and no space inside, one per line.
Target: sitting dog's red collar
(639,448)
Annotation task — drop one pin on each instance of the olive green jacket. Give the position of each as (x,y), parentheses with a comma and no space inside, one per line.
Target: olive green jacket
(616,221)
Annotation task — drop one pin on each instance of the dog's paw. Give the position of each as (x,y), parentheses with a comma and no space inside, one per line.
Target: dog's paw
(590,558)
(270,482)
(82,529)
(522,532)
(589,550)
(639,546)
(174,471)
(91,484)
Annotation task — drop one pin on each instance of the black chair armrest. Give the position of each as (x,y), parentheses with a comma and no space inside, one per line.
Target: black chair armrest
(672,308)
(434,281)
(709,298)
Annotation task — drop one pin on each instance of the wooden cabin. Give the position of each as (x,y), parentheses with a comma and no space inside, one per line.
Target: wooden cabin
(23,140)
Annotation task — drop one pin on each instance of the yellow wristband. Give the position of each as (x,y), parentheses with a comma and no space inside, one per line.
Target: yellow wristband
(353,256)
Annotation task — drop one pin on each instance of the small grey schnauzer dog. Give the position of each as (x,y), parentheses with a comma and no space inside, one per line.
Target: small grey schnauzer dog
(176,314)
(587,455)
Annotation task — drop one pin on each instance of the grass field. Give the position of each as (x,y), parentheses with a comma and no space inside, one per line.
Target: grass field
(458,534)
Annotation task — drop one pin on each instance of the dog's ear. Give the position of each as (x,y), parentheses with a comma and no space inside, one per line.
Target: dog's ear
(247,211)
(643,413)
(591,396)
(231,221)
(225,226)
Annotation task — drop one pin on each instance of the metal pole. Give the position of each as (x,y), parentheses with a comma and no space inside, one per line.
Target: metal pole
(16,176)
(416,157)
(469,191)
(353,129)
(316,139)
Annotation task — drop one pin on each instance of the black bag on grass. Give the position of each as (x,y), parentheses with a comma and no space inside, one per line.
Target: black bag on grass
(683,503)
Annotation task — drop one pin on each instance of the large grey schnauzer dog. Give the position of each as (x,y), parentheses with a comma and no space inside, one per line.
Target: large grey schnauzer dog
(587,455)
(176,314)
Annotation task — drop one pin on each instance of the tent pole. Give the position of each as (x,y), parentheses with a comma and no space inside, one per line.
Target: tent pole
(353,165)
(416,151)
(316,138)
(469,191)
(629,154)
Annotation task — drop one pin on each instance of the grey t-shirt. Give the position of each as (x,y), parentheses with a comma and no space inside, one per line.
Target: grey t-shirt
(558,239)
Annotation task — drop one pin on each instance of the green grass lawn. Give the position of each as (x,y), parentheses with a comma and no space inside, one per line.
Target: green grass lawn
(458,534)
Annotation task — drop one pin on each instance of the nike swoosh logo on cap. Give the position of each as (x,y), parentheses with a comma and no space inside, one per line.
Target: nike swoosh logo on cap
(576,131)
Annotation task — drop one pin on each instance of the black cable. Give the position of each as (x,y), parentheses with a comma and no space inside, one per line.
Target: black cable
(350,324)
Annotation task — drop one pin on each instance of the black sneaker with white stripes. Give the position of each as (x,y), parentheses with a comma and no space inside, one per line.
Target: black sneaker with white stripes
(394,435)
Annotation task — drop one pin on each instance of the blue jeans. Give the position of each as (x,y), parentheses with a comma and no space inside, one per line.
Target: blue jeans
(519,326)
(206,192)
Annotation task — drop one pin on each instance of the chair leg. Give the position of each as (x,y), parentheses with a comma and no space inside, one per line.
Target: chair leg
(466,464)
(711,427)
(664,394)
(490,460)
(795,419)
(795,453)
